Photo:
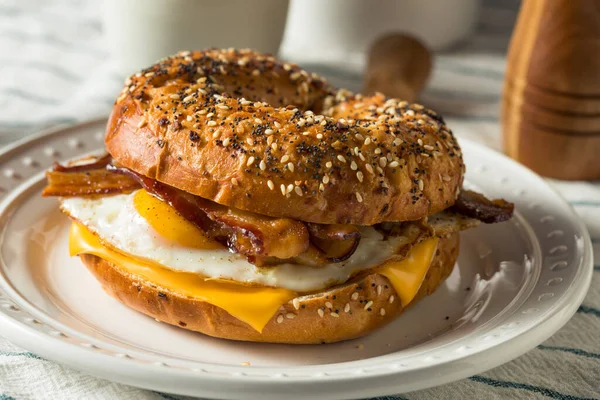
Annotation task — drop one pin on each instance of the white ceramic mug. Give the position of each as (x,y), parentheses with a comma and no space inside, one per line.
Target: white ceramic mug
(139,32)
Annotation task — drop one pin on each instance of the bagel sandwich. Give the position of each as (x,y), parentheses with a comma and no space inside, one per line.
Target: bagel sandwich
(247,199)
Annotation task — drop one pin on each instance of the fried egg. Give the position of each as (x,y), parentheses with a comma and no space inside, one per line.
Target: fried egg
(140,225)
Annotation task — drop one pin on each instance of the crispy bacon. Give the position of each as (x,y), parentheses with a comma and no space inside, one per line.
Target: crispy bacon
(475,205)
(86,179)
(252,235)
(336,243)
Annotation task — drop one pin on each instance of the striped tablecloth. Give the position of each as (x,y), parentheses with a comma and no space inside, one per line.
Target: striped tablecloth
(53,70)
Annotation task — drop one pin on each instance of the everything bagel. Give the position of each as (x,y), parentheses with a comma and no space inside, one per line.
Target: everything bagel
(247,131)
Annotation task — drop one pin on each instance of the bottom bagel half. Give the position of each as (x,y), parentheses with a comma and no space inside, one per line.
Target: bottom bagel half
(342,312)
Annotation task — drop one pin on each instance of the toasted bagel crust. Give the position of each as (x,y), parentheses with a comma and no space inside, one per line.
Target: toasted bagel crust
(307,327)
(328,157)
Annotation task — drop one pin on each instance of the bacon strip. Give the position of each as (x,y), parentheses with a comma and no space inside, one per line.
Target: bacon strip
(254,236)
(336,243)
(475,205)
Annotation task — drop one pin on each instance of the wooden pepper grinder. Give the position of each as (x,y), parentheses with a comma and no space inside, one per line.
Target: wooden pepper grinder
(551,98)
(398,66)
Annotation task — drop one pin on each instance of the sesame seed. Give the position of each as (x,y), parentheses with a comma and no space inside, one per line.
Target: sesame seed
(382,312)
(269,131)
(360,155)
(279,318)
(234,181)
(323,123)
(149,74)
(421,184)
(360,176)
(294,76)
(410,112)
(189,118)
(202,112)
(250,161)
(446,178)
(383,162)
(329,164)
(321,187)
(282,187)
(320,312)
(296,303)
(369,168)
(369,304)
(341,158)
(256,72)
(378,151)
(393,164)
(398,141)
(391,300)
(249,141)
(211,123)
(319,136)
(428,147)
(359,197)
(360,137)
(209,115)
(270,184)
(290,187)
(420,141)
(379,170)
(367,141)
(274,146)
(290,315)
(222,107)
(285,158)
(277,125)
(262,165)
(326,179)
(216,134)
(328,304)
(290,166)
(174,96)
(258,120)
(379,290)
(270,140)
(354,296)
(334,314)
(347,307)
(226,142)
(353,166)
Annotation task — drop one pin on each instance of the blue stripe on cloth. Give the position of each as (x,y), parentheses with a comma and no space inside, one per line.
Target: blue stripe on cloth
(523,386)
(6,397)
(34,98)
(585,203)
(571,350)
(164,396)
(588,310)
(389,398)
(45,67)
(51,40)
(596,267)
(471,71)
(26,354)
(35,125)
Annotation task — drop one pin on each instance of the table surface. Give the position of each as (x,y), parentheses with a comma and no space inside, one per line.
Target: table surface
(54,70)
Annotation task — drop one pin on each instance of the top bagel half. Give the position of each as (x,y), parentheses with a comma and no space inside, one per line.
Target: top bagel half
(247,131)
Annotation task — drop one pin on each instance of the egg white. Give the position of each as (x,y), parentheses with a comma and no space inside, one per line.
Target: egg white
(116,221)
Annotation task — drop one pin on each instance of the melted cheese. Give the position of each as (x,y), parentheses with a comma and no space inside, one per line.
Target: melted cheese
(407,276)
(250,304)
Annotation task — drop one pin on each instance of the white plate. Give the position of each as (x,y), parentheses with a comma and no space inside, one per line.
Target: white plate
(515,285)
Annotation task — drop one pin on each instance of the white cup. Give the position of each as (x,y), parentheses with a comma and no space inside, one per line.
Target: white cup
(139,32)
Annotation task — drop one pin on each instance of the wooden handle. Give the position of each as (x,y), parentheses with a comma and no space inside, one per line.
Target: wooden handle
(398,66)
